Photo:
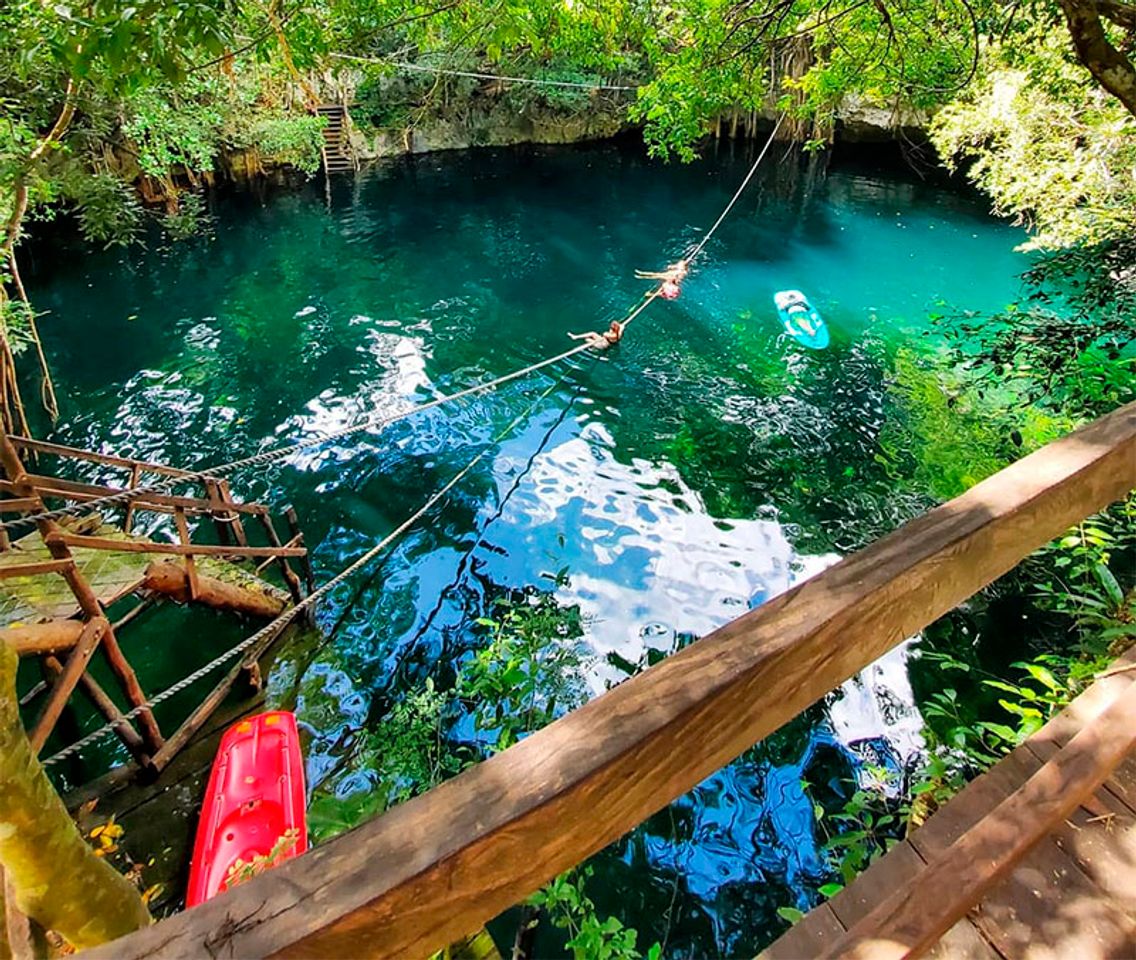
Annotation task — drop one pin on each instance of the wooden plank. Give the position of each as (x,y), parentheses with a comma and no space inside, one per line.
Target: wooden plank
(1048,909)
(808,937)
(897,868)
(962,942)
(1099,837)
(21,505)
(431,870)
(967,808)
(74,453)
(174,549)
(190,566)
(155,502)
(911,920)
(93,631)
(35,569)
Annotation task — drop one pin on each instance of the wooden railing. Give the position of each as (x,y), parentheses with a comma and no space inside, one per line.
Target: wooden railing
(439,866)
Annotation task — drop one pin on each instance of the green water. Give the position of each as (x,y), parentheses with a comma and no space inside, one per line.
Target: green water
(704,465)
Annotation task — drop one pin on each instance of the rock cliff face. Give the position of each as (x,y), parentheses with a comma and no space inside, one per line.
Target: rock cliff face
(493,125)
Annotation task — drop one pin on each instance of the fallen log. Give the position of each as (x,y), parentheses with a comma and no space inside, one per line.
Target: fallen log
(171,580)
(54,636)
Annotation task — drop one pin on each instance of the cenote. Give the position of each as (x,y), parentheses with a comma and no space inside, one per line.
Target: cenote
(703,466)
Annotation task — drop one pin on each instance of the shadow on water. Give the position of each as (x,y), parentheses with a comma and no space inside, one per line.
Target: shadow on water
(703,466)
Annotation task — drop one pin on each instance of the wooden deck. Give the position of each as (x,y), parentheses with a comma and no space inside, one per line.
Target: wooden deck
(1073,894)
(112,574)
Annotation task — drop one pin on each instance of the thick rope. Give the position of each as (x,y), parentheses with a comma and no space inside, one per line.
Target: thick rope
(534,81)
(310,600)
(737,195)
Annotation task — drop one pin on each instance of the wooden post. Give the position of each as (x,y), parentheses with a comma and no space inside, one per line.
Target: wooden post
(128,518)
(286,571)
(217,504)
(76,665)
(227,499)
(298,538)
(190,566)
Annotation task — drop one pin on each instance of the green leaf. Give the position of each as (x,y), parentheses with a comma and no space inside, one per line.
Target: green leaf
(831,889)
(1110,585)
(791,914)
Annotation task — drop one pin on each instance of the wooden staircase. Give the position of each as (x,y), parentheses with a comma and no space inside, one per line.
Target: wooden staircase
(337,156)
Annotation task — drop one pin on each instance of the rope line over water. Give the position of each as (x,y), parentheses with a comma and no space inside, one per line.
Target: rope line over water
(268,456)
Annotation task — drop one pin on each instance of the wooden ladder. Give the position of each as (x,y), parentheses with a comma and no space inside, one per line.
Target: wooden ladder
(337,156)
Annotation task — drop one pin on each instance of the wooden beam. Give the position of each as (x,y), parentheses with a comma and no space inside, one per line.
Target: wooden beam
(74,453)
(912,919)
(93,631)
(174,549)
(190,565)
(38,639)
(216,697)
(34,568)
(20,505)
(433,869)
(155,502)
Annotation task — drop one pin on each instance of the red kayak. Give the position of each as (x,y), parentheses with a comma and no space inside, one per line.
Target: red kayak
(254,805)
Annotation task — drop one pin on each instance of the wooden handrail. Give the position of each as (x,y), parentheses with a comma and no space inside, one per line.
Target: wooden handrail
(156,502)
(74,453)
(176,549)
(435,868)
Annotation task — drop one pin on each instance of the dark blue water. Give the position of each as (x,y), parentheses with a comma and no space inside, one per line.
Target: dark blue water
(705,465)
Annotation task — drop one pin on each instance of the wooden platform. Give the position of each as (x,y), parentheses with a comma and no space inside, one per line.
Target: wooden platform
(1072,896)
(111,574)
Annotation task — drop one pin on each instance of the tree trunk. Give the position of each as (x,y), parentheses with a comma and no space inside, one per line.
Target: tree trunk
(1109,66)
(55,877)
(172,580)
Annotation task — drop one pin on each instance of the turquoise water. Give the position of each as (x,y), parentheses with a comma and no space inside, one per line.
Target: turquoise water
(704,465)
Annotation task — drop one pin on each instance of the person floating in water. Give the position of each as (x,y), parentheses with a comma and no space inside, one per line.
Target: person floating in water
(601,341)
(674,274)
(799,314)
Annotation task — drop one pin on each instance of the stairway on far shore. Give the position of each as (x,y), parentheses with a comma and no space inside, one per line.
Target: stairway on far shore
(337,157)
